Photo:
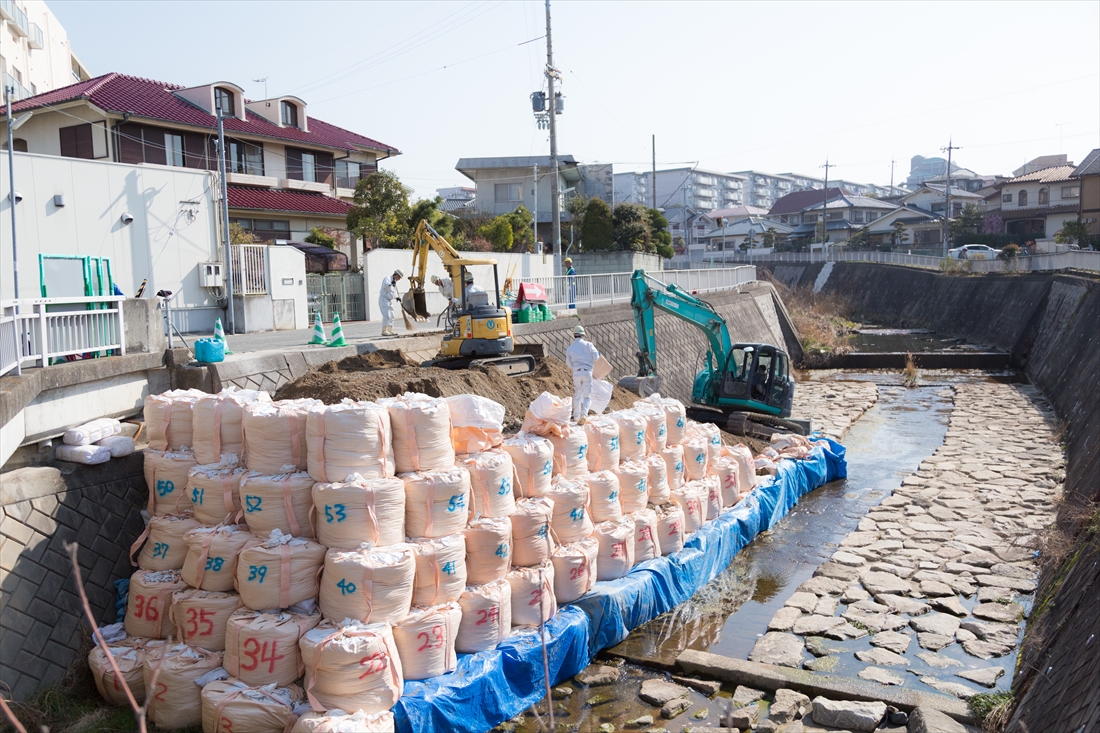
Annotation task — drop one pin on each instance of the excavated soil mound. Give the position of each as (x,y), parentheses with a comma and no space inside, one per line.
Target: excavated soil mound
(389,373)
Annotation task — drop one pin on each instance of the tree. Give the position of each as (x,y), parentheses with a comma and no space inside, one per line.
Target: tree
(576,205)
(380,210)
(666,251)
(750,241)
(819,232)
(522,223)
(317,235)
(598,230)
(499,233)
(993,224)
(969,221)
(861,239)
(658,229)
(679,245)
(428,210)
(1072,232)
(899,236)
(769,238)
(240,235)
(632,229)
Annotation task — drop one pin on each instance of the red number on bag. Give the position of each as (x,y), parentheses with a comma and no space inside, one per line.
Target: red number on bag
(272,659)
(200,616)
(252,649)
(673,528)
(645,534)
(485,615)
(140,601)
(433,641)
(536,597)
(575,573)
(618,549)
(161,689)
(373,664)
(225,725)
(146,607)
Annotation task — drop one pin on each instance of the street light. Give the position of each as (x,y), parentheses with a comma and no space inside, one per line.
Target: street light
(13,125)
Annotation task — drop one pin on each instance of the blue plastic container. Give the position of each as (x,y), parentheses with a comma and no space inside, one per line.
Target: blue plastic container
(209,351)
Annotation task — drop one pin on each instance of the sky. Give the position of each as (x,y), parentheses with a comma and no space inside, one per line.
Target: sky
(776,87)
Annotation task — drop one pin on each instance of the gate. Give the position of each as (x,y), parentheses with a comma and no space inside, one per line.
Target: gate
(337,292)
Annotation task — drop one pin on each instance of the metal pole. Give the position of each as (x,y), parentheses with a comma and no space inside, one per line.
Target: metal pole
(230,320)
(947,202)
(535,217)
(11,195)
(555,212)
(653,193)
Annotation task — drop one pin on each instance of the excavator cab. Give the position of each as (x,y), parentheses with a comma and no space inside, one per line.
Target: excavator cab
(757,377)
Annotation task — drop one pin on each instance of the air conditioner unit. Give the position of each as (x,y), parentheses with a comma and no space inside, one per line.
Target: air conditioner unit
(210,275)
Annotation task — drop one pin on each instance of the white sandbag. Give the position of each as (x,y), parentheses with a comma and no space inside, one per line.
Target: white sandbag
(692,498)
(351,437)
(673,456)
(491,476)
(211,561)
(348,513)
(533,457)
(713,436)
(488,549)
(603,443)
(531,540)
(646,542)
(275,435)
(278,571)
(696,450)
(746,471)
(656,429)
(570,452)
(201,616)
(337,721)
(168,419)
(486,616)
(148,602)
(89,455)
(602,392)
(129,654)
(164,548)
(216,420)
(713,497)
(352,666)
(570,520)
(92,432)
(166,477)
(440,569)
(632,429)
(616,555)
(281,501)
(670,528)
(426,640)
(262,648)
(118,445)
(658,478)
(675,416)
(477,423)
(727,472)
(214,490)
(575,569)
(533,600)
(633,485)
(547,415)
(231,706)
(176,700)
(421,432)
(603,492)
(436,502)
(371,585)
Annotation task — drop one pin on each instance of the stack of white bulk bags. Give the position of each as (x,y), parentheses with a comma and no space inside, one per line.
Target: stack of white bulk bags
(211,562)
(279,571)
(216,419)
(275,435)
(486,616)
(262,648)
(675,416)
(280,500)
(425,640)
(421,432)
(436,502)
(168,419)
(533,458)
(352,666)
(351,437)
(92,432)
(356,510)
(368,584)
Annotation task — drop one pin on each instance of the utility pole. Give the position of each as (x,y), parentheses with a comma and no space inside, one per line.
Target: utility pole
(825,202)
(8,92)
(555,203)
(231,321)
(891,176)
(947,195)
(653,193)
(535,218)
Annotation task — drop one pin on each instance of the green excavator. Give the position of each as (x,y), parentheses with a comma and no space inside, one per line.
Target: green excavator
(745,389)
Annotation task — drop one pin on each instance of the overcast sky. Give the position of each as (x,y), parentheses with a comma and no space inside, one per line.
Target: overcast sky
(773,86)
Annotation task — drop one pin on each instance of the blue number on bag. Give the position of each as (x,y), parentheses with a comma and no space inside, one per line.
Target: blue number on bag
(257,573)
(160,549)
(458,501)
(215,564)
(641,437)
(197,495)
(505,486)
(165,487)
(679,422)
(502,550)
(252,503)
(345,587)
(615,443)
(335,513)
(641,485)
(581,451)
(613,496)
(449,567)
(547,468)
(543,531)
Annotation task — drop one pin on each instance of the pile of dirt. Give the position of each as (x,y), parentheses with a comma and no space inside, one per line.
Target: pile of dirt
(388,373)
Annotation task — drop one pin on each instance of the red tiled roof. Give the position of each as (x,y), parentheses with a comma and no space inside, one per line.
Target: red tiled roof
(266,199)
(796,201)
(154,100)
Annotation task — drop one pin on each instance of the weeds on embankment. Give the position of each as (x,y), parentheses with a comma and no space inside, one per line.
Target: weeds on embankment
(821,320)
(910,376)
(992,709)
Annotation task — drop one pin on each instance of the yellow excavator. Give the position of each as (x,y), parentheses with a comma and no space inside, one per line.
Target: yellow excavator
(479,327)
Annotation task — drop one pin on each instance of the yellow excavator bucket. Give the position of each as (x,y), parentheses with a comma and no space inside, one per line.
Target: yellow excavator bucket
(415,302)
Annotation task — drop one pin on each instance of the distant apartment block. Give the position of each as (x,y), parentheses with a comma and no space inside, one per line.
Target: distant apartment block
(35,55)
(693,188)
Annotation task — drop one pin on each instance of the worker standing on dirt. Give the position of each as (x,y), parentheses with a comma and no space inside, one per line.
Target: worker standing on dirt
(387,297)
(581,357)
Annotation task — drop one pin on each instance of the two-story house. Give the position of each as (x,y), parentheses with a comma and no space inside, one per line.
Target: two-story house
(843,215)
(1035,205)
(1088,174)
(788,209)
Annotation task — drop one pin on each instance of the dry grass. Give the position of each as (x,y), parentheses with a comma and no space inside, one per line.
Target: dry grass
(821,320)
(910,375)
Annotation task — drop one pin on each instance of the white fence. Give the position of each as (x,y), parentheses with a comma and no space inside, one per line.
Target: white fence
(249,269)
(46,329)
(1080,260)
(563,291)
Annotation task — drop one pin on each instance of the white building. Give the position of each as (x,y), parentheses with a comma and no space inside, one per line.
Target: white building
(694,188)
(1036,205)
(35,55)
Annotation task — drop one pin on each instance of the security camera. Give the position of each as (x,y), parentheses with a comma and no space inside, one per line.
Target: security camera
(127,217)
(18,197)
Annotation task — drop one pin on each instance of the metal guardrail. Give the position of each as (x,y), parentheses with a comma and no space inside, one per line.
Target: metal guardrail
(40,330)
(1080,260)
(589,290)
(249,269)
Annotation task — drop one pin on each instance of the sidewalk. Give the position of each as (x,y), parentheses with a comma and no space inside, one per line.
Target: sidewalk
(355,333)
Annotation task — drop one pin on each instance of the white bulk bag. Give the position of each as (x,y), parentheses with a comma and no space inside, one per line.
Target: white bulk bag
(129,655)
(351,437)
(216,419)
(575,569)
(486,616)
(89,455)
(673,456)
(602,392)
(491,476)
(279,501)
(352,666)
(262,648)
(166,477)
(357,510)
(670,528)
(168,419)
(371,585)
(176,700)
(632,429)
(118,445)
(211,562)
(695,457)
(570,451)
(713,436)
(437,503)
(92,432)
(726,470)
(746,468)
(149,601)
(421,432)
(533,457)
(692,499)
(547,415)
(675,416)
(213,490)
(278,571)
(440,569)
(656,429)
(164,548)
(646,542)
(275,435)
(337,721)
(603,492)
(633,485)
(713,497)
(488,549)
(201,616)
(231,706)
(603,443)
(426,640)
(616,555)
(477,423)
(570,520)
(531,541)
(533,600)
(658,479)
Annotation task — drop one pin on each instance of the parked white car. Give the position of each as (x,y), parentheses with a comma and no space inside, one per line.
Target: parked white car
(973,252)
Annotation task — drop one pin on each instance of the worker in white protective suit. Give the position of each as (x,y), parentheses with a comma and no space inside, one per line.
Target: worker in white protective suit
(387,301)
(446,289)
(581,357)
(470,288)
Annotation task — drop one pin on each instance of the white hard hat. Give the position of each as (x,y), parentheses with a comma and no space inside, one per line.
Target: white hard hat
(469,277)
(435,279)
(578,330)
(399,273)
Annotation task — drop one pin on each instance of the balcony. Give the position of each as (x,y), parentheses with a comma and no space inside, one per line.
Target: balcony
(245,179)
(20,26)
(292,184)
(36,39)
(18,90)
(7,10)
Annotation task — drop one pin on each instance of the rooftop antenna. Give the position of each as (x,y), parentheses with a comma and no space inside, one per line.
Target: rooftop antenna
(264,82)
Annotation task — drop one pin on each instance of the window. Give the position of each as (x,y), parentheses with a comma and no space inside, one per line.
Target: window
(246,158)
(264,229)
(173,149)
(857,217)
(76,141)
(1044,196)
(809,218)
(348,173)
(834,215)
(1068,192)
(1023,198)
(871,216)
(506,192)
(223,101)
(939,208)
(1006,198)
(309,167)
(290,114)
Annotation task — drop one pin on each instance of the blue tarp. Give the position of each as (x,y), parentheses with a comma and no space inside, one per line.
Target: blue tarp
(493,686)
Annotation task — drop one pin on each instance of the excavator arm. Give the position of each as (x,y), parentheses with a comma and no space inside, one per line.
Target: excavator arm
(427,238)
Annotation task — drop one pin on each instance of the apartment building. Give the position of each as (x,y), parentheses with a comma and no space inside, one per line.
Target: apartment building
(35,55)
(694,188)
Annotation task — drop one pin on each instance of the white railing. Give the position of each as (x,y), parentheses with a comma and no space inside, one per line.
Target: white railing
(249,269)
(42,330)
(1074,260)
(563,291)
(1079,260)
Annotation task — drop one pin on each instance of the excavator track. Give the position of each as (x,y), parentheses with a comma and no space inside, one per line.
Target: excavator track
(515,365)
(751,424)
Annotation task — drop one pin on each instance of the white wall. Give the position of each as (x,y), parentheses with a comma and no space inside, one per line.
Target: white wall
(42,136)
(286,283)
